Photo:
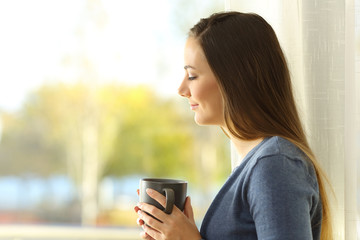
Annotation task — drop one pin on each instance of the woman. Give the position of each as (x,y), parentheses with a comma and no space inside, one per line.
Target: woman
(237,78)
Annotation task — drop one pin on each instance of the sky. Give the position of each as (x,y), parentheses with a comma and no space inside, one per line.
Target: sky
(45,41)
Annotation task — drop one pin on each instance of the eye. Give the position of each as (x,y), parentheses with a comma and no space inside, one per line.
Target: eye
(191,78)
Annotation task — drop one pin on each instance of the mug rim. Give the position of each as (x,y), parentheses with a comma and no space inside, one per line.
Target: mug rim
(164,180)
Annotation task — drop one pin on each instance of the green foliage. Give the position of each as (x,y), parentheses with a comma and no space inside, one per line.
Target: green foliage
(25,147)
(136,132)
(151,136)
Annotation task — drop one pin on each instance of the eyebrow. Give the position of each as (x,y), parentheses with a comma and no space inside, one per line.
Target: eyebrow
(188,66)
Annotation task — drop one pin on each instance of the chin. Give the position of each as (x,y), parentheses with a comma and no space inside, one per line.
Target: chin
(199,121)
(203,122)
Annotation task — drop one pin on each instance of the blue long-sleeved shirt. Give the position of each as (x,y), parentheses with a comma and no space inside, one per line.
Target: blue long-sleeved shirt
(272,195)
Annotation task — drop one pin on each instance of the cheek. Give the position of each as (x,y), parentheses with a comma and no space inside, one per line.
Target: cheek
(215,95)
(212,98)
(218,103)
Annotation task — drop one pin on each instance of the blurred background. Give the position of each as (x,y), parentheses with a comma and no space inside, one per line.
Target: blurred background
(89,105)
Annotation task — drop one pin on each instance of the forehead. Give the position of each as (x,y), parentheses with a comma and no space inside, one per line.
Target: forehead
(194,55)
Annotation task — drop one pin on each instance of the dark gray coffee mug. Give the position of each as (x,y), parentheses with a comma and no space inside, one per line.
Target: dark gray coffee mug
(174,190)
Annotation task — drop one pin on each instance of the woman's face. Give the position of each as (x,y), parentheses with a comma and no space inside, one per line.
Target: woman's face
(200,86)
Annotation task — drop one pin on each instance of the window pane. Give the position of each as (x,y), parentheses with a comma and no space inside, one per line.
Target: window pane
(89,105)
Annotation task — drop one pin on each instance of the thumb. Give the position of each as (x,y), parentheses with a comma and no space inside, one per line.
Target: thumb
(188,210)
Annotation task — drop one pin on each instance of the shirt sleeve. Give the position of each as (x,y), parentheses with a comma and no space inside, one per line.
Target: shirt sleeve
(280,197)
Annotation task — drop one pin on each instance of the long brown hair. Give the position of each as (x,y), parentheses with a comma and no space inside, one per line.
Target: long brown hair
(245,55)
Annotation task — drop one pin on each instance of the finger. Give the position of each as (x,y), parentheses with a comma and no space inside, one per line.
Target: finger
(140,222)
(157,196)
(149,220)
(188,210)
(136,209)
(152,233)
(152,210)
(145,236)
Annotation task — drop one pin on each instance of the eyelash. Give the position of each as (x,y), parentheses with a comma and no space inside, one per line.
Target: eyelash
(191,78)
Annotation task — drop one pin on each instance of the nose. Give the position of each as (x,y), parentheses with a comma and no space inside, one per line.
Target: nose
(184,90)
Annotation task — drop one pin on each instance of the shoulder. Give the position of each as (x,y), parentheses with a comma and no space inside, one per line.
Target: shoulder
(279,158)
(281,190)
(278,146)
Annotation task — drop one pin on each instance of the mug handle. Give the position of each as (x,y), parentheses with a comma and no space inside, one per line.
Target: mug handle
(170,200)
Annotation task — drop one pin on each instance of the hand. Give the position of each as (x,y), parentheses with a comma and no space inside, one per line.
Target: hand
(175,226)
(140,222)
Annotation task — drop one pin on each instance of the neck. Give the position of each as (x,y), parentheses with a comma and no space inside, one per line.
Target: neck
(242,147)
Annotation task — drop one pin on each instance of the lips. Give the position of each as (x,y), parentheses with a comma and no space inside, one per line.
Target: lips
(194,106)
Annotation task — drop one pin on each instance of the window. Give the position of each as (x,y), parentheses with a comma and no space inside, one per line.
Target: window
(88,106)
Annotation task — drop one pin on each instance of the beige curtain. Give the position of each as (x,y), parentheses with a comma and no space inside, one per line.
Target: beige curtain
(321,40)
